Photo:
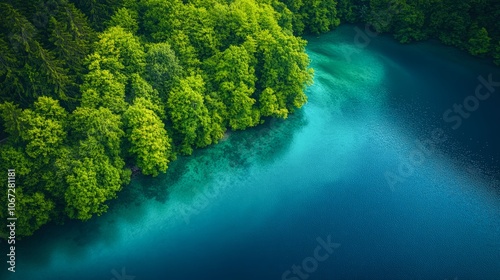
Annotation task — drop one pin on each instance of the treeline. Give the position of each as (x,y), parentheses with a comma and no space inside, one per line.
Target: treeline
(89,90)
(471,25)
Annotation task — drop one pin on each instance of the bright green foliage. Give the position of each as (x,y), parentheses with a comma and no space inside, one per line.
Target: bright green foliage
(11,156)
(25,166)
(152,78)
(96,172)
(232,77)
(284,15)
(117,44)
(125,18)
(162,18)
(102,88)
(32,210)
(140,88)
(50,108)
(83,197)
(139,81)
(38,138)
(234,22)
(270,106)
(287,81)
(42,136)
(150,143)
(202,34)
(53,175)
(190,116)
(184,50)
(42,130)
(91,183)
(165,22)
(97,62)
(102,125)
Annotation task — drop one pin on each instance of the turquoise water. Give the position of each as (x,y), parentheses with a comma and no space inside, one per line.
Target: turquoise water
(265,199)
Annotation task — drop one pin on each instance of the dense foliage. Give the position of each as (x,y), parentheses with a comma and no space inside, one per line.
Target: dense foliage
(91,89)
(471,25)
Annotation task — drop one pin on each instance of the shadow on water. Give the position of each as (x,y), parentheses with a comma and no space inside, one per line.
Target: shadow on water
(259,145)
(70,240)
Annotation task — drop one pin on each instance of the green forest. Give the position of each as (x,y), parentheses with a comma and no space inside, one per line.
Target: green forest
(91,90)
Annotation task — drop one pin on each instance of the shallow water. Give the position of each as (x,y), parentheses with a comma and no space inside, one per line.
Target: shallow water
(256,204)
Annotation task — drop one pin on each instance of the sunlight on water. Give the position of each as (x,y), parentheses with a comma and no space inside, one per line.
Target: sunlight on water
(255,204)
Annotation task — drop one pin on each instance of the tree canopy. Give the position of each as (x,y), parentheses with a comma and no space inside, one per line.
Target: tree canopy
(90,90)
(470,25)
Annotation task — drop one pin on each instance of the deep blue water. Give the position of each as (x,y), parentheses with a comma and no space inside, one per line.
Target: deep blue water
(256,204)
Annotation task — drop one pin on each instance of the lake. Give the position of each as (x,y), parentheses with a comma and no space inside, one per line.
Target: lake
(390,171)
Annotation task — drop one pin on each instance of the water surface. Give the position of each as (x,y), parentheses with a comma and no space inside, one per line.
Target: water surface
(254,205)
